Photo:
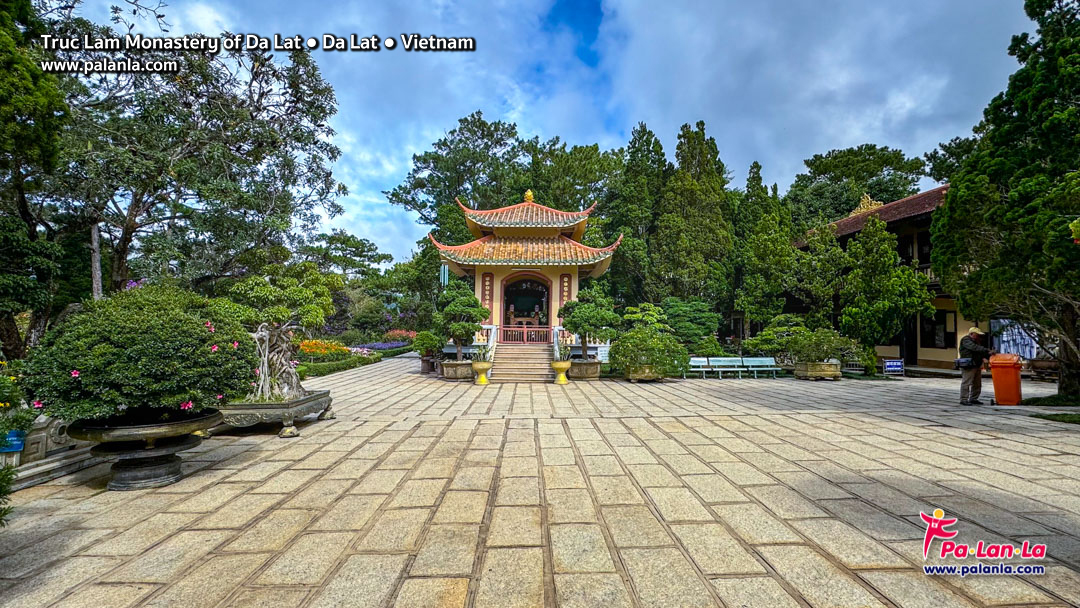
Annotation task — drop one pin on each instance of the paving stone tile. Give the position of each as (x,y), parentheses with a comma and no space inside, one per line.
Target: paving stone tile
(742,474)
(820,582)
(273,531)
(811,485)
(759,592)
(447,550)
(915,590)
(754,524)
(141,536)
(714,488)
(511,578)
(853,548)
(520,466)
(472,478)
(267,598)
(363,581)
(378,482)
(785,502)
(678,504)
(634,455)
(241,511)
(558,456)
(319,494)
(350,512)
(579,548)
(429,592)
(591,590)
(307,560)
(634,526)
(877,524)
(260,471)
(615,491)
(602,465)
(209,583)
(563,477)
(664,579)
(113,596)
(51,583)
(462,507)
(169,560)
(714,550)
(400,459)
(395,530)
(518,491)
(418,493)
(568,506)
(514,526)
(592,448)
(286,482)
(350,468)
(653,475)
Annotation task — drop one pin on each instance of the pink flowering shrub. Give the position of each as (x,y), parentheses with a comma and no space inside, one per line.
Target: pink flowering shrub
(144,354)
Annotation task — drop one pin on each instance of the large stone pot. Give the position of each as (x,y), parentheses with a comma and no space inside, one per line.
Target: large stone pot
(481,369)
(427,364)
(817,370)
(146,453)
(247,414)
(457,370)
(584,369)
(643,372)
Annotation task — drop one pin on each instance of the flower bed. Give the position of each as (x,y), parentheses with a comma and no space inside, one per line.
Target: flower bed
(308,370)
(382,345)
(399,335)
(323,351)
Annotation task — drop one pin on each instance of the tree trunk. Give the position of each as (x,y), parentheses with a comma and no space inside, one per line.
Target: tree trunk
(12,342)
(95,261)
(1069,358)
(118,275)
(39,322)
(458,346)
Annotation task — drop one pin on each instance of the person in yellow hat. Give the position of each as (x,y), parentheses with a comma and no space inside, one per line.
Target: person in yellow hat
(972,355)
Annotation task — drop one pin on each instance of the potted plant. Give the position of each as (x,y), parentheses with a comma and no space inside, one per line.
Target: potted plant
(818,354)
(561,363)
(459,317)
(15,418)
(648,351)
(481,364)
(278,302)
(590,315)
(427,345)
(138,373)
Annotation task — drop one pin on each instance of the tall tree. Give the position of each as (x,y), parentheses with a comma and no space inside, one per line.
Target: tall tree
(834,181)
(345,254)
(1002,241)
(693,238)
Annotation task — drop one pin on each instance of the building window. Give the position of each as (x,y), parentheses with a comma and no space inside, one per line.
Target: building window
(905,246)
(925,247)
(939,331)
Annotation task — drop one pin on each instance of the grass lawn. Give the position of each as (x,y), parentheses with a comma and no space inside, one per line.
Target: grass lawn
(1052,401)
(1070,418)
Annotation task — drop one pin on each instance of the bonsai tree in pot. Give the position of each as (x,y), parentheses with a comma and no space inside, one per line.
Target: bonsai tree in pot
(591,314)
(427,344)
(139,372)
(459,317)
(818,354)
(648,351)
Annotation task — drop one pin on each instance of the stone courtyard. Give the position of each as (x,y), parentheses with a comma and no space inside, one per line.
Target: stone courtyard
(738,493)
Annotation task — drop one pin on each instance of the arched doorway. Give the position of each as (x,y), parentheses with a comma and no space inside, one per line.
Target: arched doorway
(526,313)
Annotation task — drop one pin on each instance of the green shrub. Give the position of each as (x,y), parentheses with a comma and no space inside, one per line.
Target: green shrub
(590,315)
(691,319)
(709,346)
(460,314)
(823,344)
(146,354)
(647,345)
(427,343)
(393,352)
(774,339)
(310,370)
(14,415)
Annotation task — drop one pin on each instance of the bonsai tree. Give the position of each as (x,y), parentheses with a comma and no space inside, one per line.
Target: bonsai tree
(591,314)
(691,319)
(275,304)
(427,343)
(141,356)
(822,345)
(774,340)
(649,343)
(459,315)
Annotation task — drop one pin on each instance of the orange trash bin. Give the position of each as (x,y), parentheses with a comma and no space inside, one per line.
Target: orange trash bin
(1005,370)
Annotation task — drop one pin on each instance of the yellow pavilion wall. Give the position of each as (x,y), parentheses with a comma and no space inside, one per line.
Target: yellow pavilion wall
(551,273)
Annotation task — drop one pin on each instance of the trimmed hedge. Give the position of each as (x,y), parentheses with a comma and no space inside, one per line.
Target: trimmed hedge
(310,370)
(393,352)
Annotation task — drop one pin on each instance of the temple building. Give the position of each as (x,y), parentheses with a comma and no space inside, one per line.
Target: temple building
(527,260)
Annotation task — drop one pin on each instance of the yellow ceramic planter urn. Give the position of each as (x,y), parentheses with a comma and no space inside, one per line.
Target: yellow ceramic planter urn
(560,368)
(481,369)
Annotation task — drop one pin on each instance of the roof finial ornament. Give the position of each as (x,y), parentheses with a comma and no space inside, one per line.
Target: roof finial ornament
(866,204)
(528,196)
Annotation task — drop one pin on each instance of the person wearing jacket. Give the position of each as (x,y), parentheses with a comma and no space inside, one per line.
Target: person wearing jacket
(971,376)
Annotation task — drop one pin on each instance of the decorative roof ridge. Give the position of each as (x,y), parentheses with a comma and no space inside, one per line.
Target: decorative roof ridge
(899,200)
(609,248)
(442,247)
(485,212)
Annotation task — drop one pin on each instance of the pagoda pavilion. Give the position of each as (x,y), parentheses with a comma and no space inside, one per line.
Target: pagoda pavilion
(527,260)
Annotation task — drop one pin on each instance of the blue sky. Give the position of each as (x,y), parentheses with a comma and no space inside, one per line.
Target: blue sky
(775,81)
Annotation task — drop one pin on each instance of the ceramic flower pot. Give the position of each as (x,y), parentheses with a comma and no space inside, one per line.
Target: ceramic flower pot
(560,368)
(146,453)
(584,369)
(480,368)
(427,364)
(817,370)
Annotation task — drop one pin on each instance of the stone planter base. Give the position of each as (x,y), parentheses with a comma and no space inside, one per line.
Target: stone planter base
(584,370)
(427,365)
(248,414)
(457,370)
(817,370)
(643,372)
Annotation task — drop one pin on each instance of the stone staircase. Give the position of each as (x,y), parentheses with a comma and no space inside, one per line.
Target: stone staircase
(522,363)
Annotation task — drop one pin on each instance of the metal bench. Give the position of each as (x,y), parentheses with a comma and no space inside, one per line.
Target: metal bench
(727,364)
(699,364)
(761,364)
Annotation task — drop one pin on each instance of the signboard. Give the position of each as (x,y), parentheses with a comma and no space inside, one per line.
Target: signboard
(894,367)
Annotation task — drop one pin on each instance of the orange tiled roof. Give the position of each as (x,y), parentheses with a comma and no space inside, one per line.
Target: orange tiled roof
(526,214)
(498,250)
